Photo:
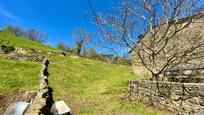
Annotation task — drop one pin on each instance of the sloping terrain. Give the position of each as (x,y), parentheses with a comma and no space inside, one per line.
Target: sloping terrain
(92,87)
(24,43)
(87,86)
(18,75)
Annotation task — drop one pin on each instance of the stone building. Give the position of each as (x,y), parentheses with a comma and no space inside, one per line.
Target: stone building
(182,40)
(181,88)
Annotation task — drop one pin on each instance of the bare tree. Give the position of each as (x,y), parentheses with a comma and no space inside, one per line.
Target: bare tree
(15,30)
(169,31)
(31,34)
(36,35)
(18,31)
(62,46)
(80,35)
(7,28)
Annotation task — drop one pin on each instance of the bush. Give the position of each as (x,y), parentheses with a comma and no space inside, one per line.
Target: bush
(7,49)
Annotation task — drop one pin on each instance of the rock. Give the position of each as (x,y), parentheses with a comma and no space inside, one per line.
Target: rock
(21,50)
(188,72)
(74,56)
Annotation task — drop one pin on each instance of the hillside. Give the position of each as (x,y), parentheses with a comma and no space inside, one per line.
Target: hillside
(87,86)
(92,87)
(18,75)
(24,43)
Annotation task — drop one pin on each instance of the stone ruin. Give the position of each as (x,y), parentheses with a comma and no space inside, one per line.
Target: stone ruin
(182,92)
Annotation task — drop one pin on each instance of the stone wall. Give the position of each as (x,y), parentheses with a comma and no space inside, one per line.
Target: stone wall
(43,101)
(185,75)
(181,98)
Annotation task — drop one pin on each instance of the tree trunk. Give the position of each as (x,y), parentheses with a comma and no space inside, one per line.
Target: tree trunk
(78,51)
(155,77)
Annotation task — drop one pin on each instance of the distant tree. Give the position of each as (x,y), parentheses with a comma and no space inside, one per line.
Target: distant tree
(62,46)
(36,35)
(79,44)
(18,31)
(31,34)
(92,52)
(7,28)
(80,35)
(15,30)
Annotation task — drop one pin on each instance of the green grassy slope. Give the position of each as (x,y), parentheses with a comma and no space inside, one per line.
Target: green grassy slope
(18,75)
(92,88)
(24,43)
(88,87)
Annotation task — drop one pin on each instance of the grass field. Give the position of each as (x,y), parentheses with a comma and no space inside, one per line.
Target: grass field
(18,75)
(93,88)
(88,87)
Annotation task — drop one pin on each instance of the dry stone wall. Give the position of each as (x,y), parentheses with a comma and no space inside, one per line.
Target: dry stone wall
(43,101)
(181,98)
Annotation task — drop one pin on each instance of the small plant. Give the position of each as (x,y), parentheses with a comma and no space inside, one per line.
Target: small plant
(7,48)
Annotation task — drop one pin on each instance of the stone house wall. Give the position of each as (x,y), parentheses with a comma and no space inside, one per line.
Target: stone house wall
(185,76)
(186,73)
(181,98)
(181,40)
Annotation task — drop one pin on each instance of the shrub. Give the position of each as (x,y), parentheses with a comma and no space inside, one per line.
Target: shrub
(7,49)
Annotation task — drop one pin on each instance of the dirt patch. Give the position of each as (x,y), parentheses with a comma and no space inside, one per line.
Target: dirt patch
(6,100)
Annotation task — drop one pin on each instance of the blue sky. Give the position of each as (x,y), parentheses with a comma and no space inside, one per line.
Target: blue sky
(56,18)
